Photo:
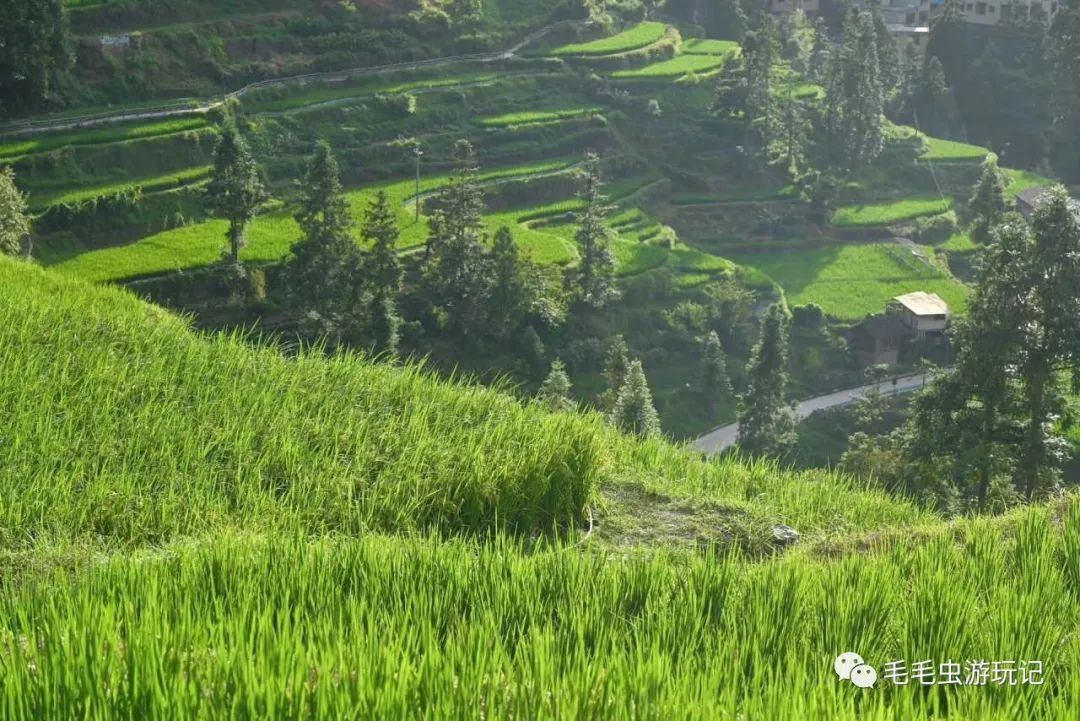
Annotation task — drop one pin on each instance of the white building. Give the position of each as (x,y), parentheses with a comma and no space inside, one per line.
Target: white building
(922,312)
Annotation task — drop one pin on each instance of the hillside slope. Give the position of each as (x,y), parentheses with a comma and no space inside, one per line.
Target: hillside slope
(196,527)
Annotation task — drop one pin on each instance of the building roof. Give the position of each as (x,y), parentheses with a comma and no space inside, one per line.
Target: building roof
(883,327)
(922,303)
(1037,196)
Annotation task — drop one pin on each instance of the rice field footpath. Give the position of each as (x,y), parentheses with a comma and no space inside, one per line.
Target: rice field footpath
(15,148)
(238,626)
(635,38)
(851,281)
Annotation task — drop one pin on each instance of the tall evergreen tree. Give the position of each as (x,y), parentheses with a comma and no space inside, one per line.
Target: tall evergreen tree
(34,53)
(855,100)
(555,392)
(820,51)
(634,411)
(762,49)
(616,366)
(767,422)
(323,273)
(715,382)
(382,273)
(458,277)
(512,292)
(592,280)
(1063,61)
(988,204)
(14,219)
(235,190)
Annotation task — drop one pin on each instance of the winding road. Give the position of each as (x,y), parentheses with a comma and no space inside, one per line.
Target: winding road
(725,436)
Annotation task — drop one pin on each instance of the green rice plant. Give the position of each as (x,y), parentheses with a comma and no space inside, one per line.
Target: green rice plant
(851,281)
(538,116)
(673,68)
(640,36)
(1021,180)
(147,185)
(708,46)
(99,136)
(887,212)
(938,149)
(423,628)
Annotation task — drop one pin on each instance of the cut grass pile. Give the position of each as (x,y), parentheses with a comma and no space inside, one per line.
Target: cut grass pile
(674,68)
(938,149)
(147,185)
(640,36)
(851,281)
(538,116)
(415,628)
(704,46)
(99,136)
(887,212)
(269,237)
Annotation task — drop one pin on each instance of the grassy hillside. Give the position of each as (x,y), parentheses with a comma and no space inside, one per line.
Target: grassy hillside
(188,529)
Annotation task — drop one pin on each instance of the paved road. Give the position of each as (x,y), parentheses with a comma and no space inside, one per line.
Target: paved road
(724,437)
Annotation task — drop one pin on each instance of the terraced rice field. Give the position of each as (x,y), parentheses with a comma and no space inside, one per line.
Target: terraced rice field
(674,68)
(851,281)
(15,147)
(887,212)
(635,38)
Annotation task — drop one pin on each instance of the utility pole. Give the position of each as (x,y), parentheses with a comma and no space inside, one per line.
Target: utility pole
(418,153)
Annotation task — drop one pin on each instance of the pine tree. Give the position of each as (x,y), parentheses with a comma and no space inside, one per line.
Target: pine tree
(714,376)
(820,52)
(555,392)
(762,49)
(1063,62)
(988,203)
(511,293)
(382,273)
(634,411)
(14,219)
(855,100)
(767,422)
(458,274)
(791,132)
(35,53)
(593,279)
(616,367)
(323,274)
(235,190)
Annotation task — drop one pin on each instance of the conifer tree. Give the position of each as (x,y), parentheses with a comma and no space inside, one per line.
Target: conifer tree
(714,376)
(767,422)
(762,49)
(458,274)
(1063,62)
(14,219)
(634,411)
(593,279)
(35,53)
(235,190)
(382,273)
(554,393)
(988,203)
(510,295)
(615,369)
(323,274)
(855,99)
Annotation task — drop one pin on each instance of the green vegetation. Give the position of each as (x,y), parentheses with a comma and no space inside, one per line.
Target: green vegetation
(146,185)
(851,281)
(706,46)
(885,213)
(99,136)
(673,68)
(635,38)
(538,116)
(938,149)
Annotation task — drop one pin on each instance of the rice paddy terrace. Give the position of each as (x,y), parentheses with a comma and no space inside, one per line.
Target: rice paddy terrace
(119,202)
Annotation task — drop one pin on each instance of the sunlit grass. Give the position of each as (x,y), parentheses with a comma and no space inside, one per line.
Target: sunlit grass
(886,212)
(639,36)
(99,136)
